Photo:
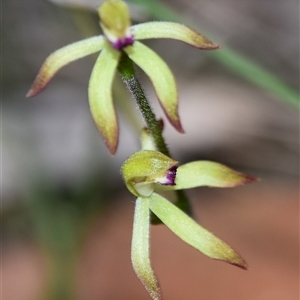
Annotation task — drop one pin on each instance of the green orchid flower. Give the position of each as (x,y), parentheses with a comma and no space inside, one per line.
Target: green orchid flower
(122,38)
(147,173)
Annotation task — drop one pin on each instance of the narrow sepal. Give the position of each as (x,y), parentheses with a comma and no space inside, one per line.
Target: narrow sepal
(192,233)
(172,30)
(100,96)
(62,57)
(161,78)
(140,248)
(208,173)
(144,168)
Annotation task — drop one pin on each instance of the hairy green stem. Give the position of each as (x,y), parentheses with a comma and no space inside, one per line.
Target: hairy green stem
(129,78)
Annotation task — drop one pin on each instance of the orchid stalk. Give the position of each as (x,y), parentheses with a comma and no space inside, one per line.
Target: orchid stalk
(150,171)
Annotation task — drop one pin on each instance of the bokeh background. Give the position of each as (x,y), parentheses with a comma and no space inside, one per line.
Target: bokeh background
(66,216)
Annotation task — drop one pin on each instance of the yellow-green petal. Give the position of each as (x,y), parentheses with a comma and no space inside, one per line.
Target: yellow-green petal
(140,256)
(62,57)
(161,77)
(192,233)
(207,173)
(172,30)
(100,96)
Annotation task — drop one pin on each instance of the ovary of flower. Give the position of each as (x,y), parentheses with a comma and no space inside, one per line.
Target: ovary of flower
(119,37)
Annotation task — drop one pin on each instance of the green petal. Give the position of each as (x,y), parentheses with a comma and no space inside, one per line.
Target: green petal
(100,96)
(192,233)
(207,173)
(62,57)
(140,256)
(172,30)
(161,77)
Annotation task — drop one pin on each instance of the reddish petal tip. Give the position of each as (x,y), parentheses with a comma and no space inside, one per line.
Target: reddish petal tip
(249,179)
(211,47)
(111,139)
(112,148)
(180,129)
(177,125)
(39,84)
(216,47)
(112,151)
(237,261)
(242,266)
(32,92)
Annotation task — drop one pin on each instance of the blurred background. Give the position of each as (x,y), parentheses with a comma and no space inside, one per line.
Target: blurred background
(66,216)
